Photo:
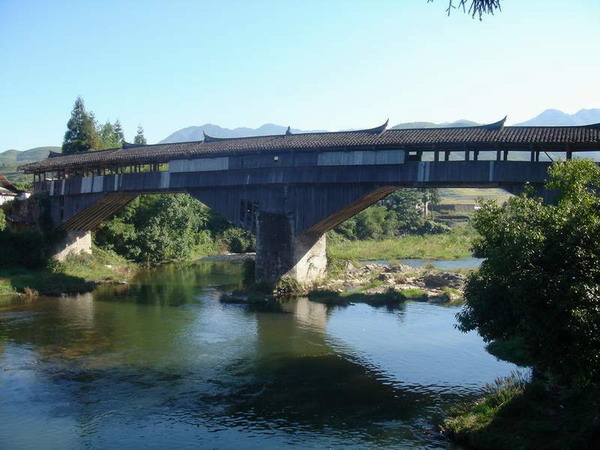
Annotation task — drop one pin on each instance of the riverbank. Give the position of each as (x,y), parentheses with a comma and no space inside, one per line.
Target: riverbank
(378,284)
(78,273)
(373,284)
(517,414)
(453,245)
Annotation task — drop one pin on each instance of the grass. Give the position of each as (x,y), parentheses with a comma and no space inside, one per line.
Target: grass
(461,196)
(78,273)
(453,245)
(515,414)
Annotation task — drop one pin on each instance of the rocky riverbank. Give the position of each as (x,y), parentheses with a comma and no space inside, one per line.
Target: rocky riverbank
(376,284)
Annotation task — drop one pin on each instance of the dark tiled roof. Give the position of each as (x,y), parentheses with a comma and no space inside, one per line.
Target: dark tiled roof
(549,138)
(7,186)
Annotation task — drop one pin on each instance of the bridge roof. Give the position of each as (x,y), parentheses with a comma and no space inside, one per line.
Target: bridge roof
(484,137)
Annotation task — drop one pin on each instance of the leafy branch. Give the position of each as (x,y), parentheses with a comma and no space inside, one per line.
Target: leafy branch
(477,7)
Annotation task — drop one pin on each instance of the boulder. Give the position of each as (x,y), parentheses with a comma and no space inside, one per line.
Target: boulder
(439,280)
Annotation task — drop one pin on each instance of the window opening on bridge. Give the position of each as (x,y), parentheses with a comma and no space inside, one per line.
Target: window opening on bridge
(415,155)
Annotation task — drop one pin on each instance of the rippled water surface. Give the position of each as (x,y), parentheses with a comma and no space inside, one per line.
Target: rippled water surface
(163,364)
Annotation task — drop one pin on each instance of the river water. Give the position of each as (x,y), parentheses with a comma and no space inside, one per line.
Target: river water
(163,364)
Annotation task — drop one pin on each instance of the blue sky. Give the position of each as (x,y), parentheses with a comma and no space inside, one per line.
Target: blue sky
(309,64)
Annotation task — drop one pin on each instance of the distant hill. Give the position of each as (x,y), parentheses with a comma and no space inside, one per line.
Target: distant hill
(11,159)
(458,123)
(554,117)
(197,133)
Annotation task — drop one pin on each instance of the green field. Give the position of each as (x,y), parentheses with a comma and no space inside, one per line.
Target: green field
(464,196)
(453,245)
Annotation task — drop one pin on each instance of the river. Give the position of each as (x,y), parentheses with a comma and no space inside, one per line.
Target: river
(163,364)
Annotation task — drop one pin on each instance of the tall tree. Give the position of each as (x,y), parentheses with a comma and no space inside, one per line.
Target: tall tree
(107,136)
(81,134)
(139,137)
(119,135)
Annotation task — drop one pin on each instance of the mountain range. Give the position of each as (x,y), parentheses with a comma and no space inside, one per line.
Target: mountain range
(196,133)
(550,117)
(10,159)
(556,118)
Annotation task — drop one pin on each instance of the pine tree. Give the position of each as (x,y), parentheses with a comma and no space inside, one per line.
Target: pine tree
(81,132)
(119,136)
(107,136)
(139,137)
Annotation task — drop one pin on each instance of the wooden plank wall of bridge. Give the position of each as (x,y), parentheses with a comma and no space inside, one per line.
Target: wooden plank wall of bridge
(312,195)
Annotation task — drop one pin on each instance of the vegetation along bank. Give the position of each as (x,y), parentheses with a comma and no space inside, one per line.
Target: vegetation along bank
(536,300)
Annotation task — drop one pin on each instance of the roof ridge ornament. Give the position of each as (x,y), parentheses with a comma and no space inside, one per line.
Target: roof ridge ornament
(208,138)
(377,130)
(288,132)
(494,126)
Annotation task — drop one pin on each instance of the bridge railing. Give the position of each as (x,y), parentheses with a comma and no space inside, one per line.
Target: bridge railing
(536,154)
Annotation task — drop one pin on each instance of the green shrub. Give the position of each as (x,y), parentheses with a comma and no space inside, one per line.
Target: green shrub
(237,240)
(288,286)
(540,281)
(431,227)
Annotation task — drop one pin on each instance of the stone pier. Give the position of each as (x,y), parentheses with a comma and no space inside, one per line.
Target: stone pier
(72,242)
(279,252)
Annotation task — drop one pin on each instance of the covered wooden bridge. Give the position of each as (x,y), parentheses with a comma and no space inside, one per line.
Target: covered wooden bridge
(290,189)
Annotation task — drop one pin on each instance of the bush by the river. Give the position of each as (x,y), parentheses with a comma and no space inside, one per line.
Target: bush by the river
(157,228)
(537,295)
(237,240)
(540,281)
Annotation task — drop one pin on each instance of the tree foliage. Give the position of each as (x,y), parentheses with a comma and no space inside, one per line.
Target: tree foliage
(2,220)
(155,228)
(166,227)
(84,133)
(477,8)
(540,281)
(81,134)
(401,212)
(119,134)
(139,137)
